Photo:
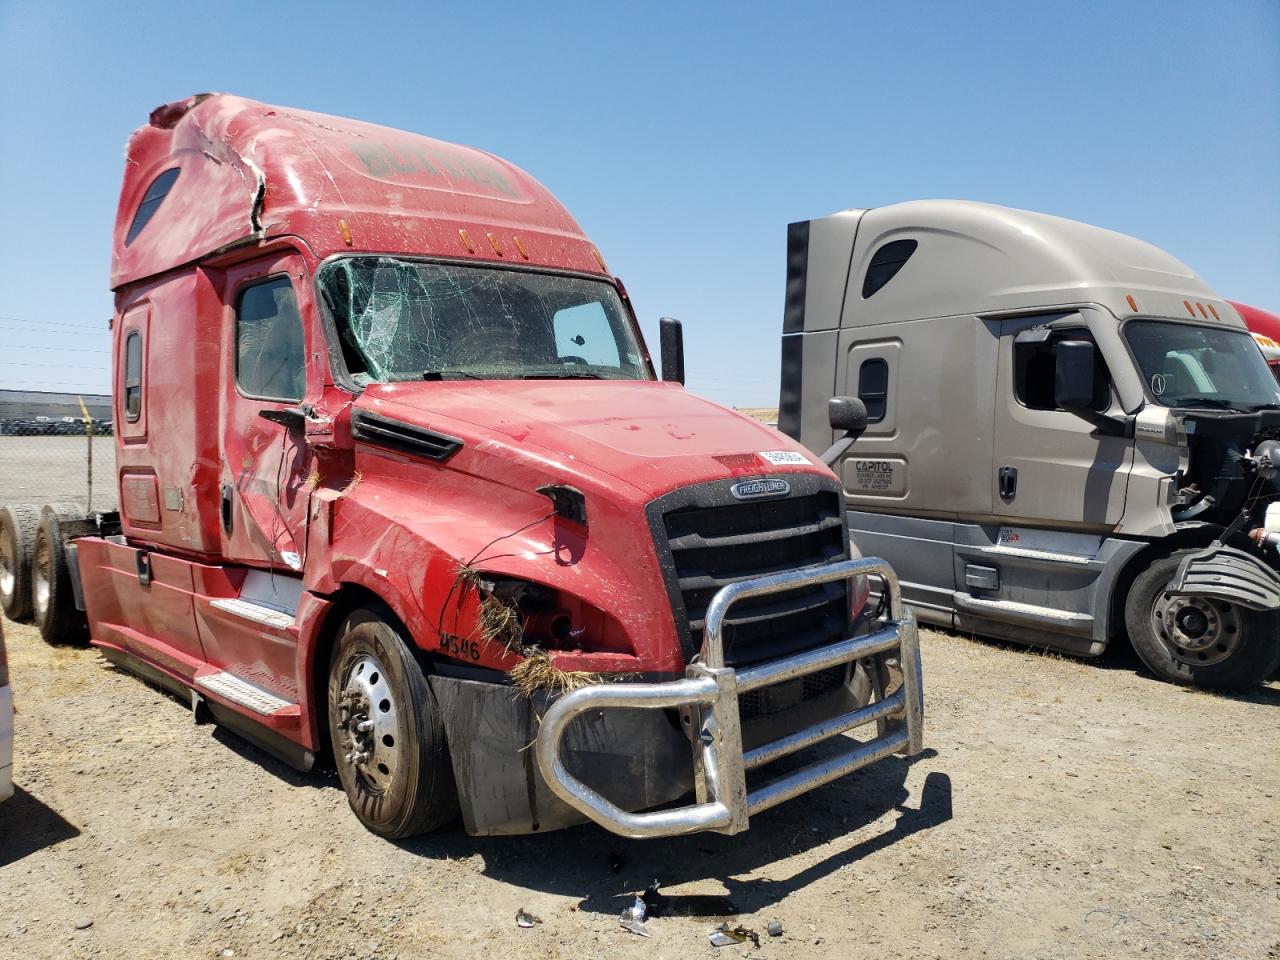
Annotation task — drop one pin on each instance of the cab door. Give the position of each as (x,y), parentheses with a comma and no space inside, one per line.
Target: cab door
(271,375)
(1050,467)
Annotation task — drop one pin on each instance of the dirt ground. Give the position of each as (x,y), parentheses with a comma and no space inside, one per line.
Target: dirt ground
(1062,810)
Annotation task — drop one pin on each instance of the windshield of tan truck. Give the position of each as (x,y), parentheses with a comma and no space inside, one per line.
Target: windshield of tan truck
(408,320)
(1184,365)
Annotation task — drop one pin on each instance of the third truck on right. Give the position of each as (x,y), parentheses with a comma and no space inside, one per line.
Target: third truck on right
(1070,437)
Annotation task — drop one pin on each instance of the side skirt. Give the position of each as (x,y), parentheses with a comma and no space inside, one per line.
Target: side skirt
(264,738)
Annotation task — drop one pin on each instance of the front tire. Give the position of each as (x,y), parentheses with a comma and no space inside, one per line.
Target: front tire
(1199,641)
(385,726)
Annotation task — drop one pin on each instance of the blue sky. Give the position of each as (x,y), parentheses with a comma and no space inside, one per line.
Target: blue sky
(683,137)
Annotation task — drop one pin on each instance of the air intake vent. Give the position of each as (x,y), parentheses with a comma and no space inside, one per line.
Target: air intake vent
(403,437)
(886,263)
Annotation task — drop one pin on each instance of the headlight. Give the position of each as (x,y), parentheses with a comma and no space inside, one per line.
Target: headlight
(555,620)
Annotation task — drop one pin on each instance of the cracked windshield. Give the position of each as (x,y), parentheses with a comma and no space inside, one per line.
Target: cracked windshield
(407,320)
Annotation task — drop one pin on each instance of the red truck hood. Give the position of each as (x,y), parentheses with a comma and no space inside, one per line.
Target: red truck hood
(651,435)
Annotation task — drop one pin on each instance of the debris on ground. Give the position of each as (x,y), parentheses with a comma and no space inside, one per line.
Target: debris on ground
(635,926)
(526,919)
(724,936)
(654,902)
(775,928)
(634,916)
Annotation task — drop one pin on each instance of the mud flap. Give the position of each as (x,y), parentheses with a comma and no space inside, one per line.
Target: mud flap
(1226,573)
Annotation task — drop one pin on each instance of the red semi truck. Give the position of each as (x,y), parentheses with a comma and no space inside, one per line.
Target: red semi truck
(1265,327)
(399,487)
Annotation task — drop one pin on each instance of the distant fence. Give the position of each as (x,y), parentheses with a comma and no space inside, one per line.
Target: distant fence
(58,460)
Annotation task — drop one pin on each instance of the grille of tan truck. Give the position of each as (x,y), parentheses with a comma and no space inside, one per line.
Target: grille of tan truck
(706,539)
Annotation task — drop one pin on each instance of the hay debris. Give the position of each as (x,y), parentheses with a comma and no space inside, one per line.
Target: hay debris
(537,672)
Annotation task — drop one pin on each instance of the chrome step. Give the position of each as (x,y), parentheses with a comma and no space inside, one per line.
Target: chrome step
(257,612)
(237,690)
(1013,610)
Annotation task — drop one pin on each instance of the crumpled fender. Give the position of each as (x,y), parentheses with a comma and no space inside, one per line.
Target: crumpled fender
(404,536)
(1226,573)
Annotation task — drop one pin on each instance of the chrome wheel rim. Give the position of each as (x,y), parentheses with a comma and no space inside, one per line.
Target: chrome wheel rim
(368,727)
(8,563)
(40,577)
(1195,630)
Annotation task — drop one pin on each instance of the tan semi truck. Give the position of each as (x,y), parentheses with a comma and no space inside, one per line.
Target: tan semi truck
(1071,437)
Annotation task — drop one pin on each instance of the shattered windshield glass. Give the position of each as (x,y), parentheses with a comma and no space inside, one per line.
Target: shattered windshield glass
(412,320)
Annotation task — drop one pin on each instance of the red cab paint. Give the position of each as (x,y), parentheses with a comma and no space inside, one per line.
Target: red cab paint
(359,369)
(1265,327)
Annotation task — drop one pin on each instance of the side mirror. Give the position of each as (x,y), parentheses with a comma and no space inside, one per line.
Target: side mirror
(1073,385)
(671,342)
(850,415)
(847,413)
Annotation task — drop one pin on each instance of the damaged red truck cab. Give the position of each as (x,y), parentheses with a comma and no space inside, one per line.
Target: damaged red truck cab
(399,486)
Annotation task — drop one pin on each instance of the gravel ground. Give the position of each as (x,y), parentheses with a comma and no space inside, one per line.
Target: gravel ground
(1062,810)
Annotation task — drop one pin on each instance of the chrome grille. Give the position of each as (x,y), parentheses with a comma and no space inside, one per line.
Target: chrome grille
(708,539)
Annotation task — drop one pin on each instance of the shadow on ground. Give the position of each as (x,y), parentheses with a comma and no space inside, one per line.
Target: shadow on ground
(606,871)
(27,825)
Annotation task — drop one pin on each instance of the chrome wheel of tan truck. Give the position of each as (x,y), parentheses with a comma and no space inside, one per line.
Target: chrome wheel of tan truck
(1070,437)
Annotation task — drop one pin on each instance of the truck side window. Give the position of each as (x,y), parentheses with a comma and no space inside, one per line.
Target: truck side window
(873,388)
(886,263)
(270,353)
(133,375)
(150,203)
(1034,366)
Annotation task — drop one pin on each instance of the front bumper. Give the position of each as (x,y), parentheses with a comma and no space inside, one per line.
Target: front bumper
(709,692)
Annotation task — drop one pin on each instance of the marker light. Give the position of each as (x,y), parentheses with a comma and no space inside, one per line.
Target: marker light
(520,247)
(493,242)
(1214,312)
(1187,304)
(466,241)
(1202,310)
(1133,304)
(345,231)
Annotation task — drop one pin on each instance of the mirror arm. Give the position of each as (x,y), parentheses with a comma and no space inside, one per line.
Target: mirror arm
(831,456)
(1106,425)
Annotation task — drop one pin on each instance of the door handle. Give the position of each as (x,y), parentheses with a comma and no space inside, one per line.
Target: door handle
(225,507)
(1008,483)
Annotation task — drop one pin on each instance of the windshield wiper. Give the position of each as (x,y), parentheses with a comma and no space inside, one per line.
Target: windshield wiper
(1207,402)
(448,375)
(561,376)
(1255,407)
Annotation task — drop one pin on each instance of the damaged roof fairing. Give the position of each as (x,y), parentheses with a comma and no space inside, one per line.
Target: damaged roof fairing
(251,171)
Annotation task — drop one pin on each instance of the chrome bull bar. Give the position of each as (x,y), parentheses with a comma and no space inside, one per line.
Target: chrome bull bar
(710,691)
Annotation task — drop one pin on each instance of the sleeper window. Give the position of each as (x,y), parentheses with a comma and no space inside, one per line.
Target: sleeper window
(150,203)
(270,354)
(873,388)
(133,376)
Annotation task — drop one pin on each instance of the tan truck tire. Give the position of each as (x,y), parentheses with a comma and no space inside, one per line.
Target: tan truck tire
(1199,641)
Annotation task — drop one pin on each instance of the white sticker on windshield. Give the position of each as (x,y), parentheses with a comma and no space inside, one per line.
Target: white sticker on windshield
(1158,384)
(782,458)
